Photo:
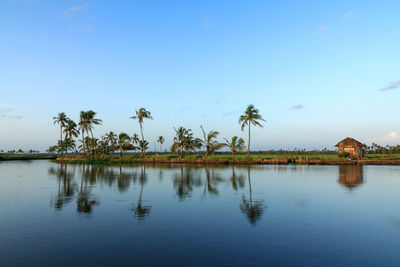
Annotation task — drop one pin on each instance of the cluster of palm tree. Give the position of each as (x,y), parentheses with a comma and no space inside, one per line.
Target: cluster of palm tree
(183,142)
(377,149)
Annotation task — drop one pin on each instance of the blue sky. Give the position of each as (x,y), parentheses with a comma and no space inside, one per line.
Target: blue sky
(318,71)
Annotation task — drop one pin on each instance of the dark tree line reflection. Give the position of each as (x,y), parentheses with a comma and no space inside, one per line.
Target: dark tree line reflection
(75,184)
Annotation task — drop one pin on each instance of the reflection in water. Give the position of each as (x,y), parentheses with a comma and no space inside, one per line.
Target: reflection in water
(253,209)
(210,184)
(66,186)
(86,201)
(206,179)
(237,180)
(141,210)
(351,176)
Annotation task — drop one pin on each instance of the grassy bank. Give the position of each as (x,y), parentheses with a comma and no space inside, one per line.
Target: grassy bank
(317,159)
(4,157)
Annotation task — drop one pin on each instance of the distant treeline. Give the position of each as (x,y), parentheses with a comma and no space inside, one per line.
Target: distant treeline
(377,149)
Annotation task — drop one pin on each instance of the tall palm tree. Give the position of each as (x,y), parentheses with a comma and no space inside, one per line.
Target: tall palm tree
(83,127)
(70,131)
(86,121)
(250,116)
(142,114)
(62,120)
(92,120)
(161,140)
(209,140)
(236,144)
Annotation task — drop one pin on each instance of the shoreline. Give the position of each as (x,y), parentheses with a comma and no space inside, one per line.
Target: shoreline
(27,158)
(225,162)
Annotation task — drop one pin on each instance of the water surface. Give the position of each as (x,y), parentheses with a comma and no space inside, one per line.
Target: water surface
(182,215)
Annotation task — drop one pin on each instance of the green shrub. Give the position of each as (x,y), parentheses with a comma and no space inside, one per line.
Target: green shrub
(344,155)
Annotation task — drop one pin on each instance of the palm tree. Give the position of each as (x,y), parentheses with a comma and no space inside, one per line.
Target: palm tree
(62,120)
(92,120)
(135,139)
(70,131)
(143,145)
(123,142)
(141,114)
(209,141)
(161,140)
(236,144)
(183,140)
(86,122)
(111,138)
(250,116)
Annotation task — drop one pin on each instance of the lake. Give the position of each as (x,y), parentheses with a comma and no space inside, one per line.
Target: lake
(53,214)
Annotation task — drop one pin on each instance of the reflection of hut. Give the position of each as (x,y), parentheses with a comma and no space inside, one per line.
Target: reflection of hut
(351,146)
(351,176)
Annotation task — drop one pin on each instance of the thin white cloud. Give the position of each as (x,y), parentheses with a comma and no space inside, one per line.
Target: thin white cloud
(299,106)
(391,86)
(205,20)
(322,29)
(73,11)
(348,14)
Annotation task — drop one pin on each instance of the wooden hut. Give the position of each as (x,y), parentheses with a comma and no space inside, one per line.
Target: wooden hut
(351,146)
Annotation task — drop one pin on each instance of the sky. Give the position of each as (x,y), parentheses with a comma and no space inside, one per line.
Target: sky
(318,71)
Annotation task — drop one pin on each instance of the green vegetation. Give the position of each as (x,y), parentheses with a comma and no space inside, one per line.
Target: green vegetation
(4,157)
(344,155)
(185,148)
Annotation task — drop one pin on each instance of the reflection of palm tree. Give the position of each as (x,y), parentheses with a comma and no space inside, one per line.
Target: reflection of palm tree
(123,180)
(66,187)
(253,209)
(237,179)
(208,186)
(141,211)
(85,202)
(184,187)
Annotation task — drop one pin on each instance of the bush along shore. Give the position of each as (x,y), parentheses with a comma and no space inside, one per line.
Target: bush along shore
(6,157)
(225,159)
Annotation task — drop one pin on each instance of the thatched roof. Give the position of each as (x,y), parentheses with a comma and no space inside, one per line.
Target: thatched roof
(349,140)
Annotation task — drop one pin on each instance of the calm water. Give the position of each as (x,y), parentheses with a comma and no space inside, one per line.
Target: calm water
(145,215)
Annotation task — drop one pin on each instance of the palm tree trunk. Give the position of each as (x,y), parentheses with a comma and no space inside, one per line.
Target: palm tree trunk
(233,154)
(248,145)
(61,136)
(83,142)
(141,132)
